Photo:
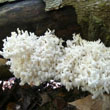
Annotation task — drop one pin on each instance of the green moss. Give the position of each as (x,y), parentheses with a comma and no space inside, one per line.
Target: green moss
(94,19)
(97,20)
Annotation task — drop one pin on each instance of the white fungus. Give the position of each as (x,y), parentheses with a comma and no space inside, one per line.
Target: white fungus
(86,64)
(31,58)
(82,64)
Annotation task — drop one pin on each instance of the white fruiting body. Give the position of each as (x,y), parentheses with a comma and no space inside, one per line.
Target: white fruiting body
(32,58)
(84,64)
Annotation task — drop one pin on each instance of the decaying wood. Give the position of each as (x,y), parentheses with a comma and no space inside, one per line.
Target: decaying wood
(30,15)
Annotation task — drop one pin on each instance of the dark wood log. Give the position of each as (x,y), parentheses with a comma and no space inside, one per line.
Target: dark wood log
(30,15)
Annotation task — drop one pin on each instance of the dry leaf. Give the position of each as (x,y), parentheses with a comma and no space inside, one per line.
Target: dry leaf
(87,103)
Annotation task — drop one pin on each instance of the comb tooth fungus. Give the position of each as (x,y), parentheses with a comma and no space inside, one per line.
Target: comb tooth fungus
(86,64)
(32,58)
(82,64)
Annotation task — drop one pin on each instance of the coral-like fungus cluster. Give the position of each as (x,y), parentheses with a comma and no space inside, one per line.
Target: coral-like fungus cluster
(83,64)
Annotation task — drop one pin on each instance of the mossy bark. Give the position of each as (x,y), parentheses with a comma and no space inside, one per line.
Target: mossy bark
(92,15)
